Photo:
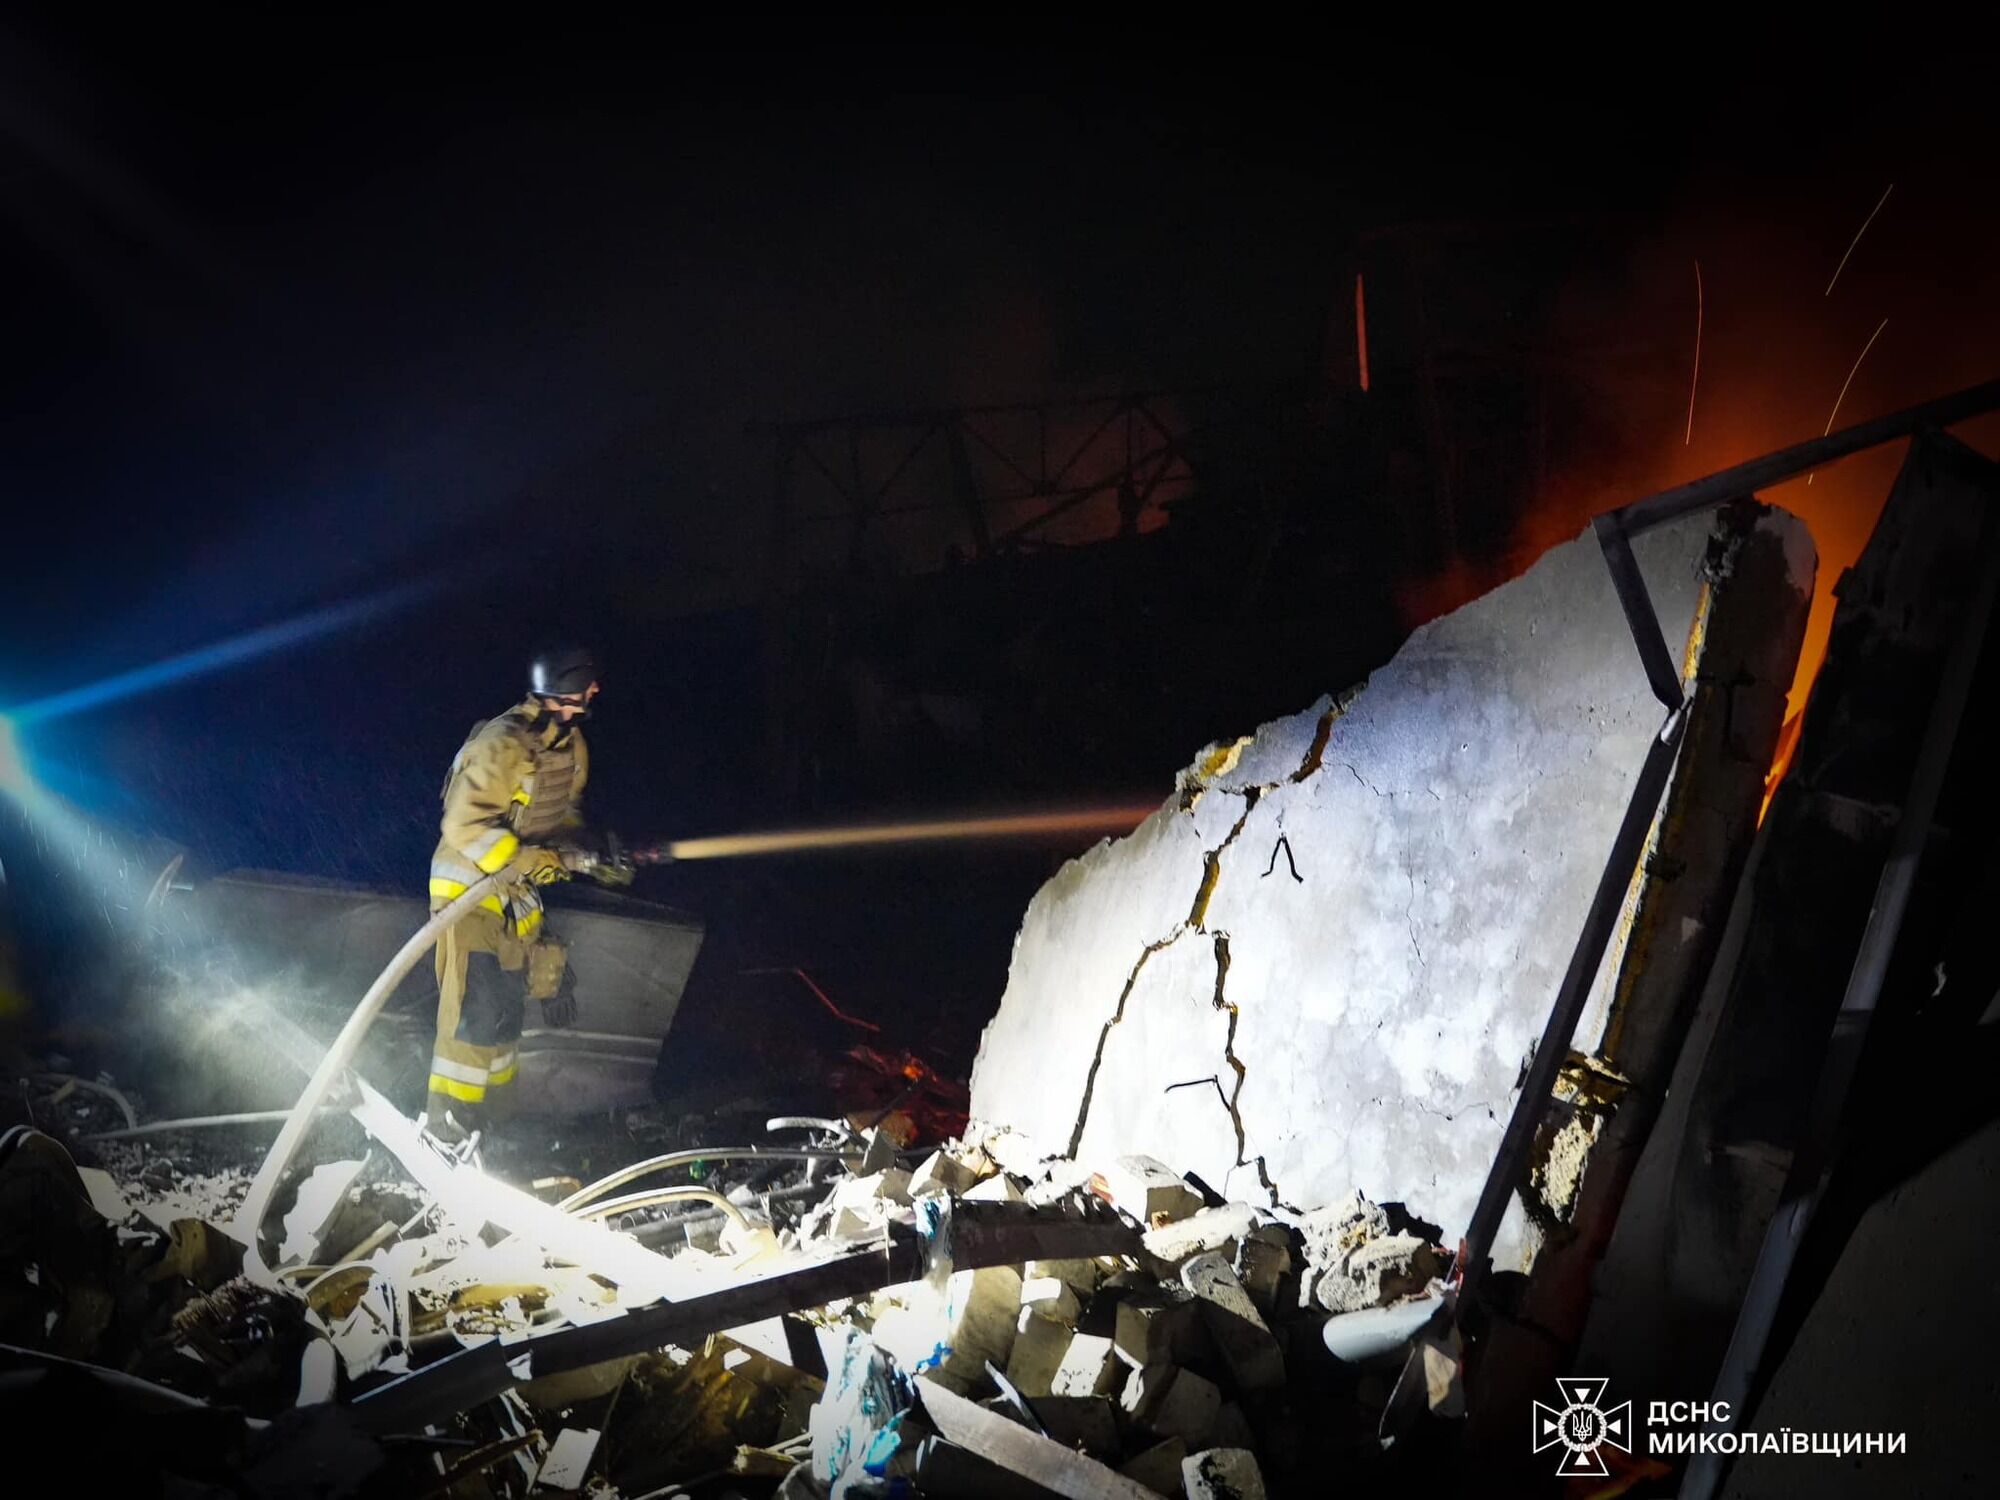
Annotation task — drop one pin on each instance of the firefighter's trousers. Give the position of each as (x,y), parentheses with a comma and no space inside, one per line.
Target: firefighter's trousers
(485,977)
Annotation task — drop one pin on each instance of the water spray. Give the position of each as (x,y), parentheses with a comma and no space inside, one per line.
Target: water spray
(916,831)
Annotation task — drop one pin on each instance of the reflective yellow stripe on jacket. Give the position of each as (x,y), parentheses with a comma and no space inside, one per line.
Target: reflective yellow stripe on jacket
(523,905)
(510,784)
(492,850)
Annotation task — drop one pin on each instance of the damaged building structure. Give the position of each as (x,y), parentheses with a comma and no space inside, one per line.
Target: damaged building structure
(1493,1020)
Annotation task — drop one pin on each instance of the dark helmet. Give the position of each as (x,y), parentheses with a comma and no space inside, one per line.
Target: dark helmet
(561,671)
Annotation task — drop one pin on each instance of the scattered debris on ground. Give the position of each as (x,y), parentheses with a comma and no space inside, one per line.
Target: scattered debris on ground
(830,1312)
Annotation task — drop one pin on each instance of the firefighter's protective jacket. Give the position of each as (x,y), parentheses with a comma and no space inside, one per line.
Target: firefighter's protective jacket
(515,784)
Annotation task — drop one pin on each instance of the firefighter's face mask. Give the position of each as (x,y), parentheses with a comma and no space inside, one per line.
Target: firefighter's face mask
(569,708)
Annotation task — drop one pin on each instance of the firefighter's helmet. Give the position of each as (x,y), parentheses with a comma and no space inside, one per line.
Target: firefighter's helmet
(561,672)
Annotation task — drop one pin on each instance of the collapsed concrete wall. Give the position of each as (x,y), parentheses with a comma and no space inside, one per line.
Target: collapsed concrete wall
(1320,967)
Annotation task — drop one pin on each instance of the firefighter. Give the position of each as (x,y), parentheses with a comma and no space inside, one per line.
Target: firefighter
(512,806)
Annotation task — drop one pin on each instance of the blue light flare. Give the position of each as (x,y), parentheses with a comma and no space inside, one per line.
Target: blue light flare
(223,654)
(13,768)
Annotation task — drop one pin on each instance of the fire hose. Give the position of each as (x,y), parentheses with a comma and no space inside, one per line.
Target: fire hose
(617,862)
(250,1217)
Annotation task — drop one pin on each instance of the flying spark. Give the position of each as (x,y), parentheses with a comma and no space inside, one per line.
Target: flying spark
(1695,383)
(1857,236)
(1850,380)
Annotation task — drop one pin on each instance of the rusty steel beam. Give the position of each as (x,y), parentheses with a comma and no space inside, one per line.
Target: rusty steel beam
(1510,1162)
(1789,463)
(1615,529)
(1814,1159)
(1640,615)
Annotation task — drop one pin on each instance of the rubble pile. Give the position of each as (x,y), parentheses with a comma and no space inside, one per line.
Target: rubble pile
(968,1321)
(1177,1365)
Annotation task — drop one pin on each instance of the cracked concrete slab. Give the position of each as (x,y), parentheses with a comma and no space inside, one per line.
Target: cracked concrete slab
(1085,933)
(1355,919)
(1171,1008)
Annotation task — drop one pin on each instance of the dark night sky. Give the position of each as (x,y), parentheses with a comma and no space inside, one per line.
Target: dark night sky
(295,316)
(378,289)
(384,286)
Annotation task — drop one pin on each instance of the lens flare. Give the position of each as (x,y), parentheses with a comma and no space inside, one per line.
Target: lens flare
(1011,826)
(223,654)
(13,768)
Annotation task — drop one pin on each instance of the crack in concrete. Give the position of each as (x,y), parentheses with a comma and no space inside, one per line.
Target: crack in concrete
(1322,732)
(1410,921)
(1211,872)
(1104,1035)
(1408,791)
(1211,862)
(1197,916)
(1229,1056)
(1451,1116)
(1234,1102)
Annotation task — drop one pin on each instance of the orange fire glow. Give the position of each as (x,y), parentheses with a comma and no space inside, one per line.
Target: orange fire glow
(1777,345)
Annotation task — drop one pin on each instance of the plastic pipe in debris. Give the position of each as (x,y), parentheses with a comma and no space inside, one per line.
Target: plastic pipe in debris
(649,1229)
(104,1089)
(657,1196)
(672,1159)
(571,1033)
(206,1122)
(250,1216)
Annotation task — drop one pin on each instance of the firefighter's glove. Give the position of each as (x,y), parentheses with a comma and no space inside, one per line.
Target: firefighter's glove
(560,1009)
(617,875)
(542,866)
(614,867)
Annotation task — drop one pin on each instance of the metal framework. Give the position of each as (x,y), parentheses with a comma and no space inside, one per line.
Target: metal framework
(1812,1166)
(1004,473)
(1615,530)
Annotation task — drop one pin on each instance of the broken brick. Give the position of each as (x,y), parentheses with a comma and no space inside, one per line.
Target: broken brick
(942,1172)
(1039,1346)
(1159,1467)
(1239,1330)
(1088,1424)
(1223,1474)
(1172,1402)
(1088,1368)
(1221,1229)
(1159,1328)
(1147,1190)
(1052,1298)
